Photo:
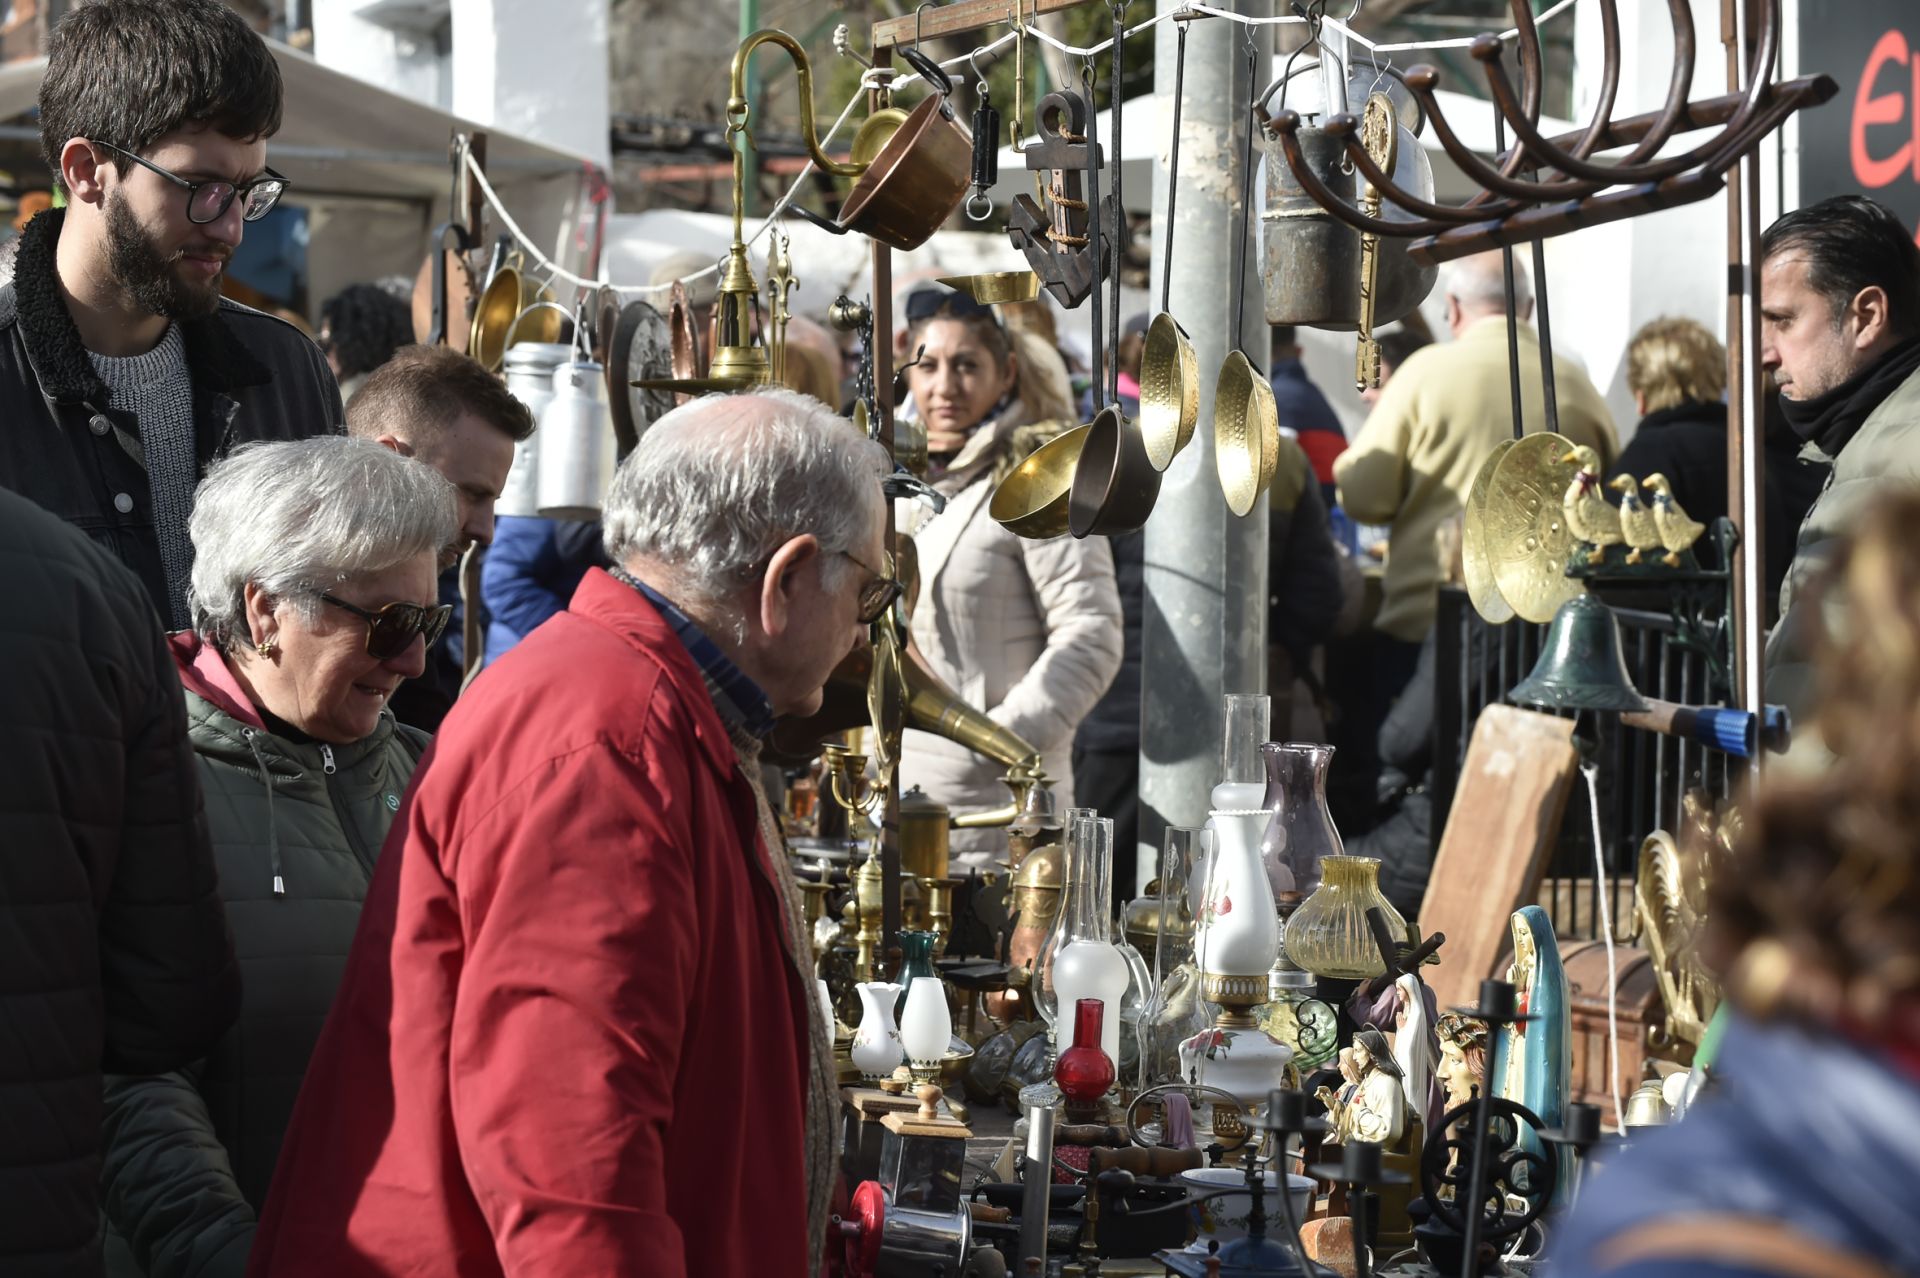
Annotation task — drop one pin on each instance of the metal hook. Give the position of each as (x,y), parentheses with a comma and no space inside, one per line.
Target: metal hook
(979,76)
(917,14)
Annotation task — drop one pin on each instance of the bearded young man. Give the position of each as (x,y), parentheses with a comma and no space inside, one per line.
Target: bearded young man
(1840,332)
(123,372)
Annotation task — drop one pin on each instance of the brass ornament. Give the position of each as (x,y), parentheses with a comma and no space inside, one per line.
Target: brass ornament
(1527,539)
(1474,564)
(1379,134)
(995,288)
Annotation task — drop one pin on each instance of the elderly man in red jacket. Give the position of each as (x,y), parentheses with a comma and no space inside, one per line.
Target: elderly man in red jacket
(578,1032)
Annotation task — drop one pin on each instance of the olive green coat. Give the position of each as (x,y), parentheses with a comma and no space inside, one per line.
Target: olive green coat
(190,1154)
(1883,454)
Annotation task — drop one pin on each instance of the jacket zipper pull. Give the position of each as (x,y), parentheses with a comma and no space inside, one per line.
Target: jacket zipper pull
(326,755)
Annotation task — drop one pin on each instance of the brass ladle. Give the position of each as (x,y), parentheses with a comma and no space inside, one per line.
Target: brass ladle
(1169,369)
(1246,423)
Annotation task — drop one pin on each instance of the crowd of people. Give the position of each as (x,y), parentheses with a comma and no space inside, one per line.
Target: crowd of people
(319,955)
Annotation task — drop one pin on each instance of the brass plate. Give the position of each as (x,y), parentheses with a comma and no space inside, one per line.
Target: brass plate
(1474,567)
(996,287)
(874,133)
(1527,538)
(1033,501)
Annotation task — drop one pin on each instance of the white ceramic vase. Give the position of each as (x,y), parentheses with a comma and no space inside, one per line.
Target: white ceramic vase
(877,1051)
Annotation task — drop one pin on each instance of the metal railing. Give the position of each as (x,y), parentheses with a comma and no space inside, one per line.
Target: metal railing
(1642,775)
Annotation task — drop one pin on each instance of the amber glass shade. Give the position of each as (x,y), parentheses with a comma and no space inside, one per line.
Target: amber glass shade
(1328,935)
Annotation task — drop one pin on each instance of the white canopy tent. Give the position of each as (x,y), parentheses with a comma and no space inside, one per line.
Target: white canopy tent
(372,168)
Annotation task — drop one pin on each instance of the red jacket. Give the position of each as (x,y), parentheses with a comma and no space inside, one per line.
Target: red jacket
(569,1040)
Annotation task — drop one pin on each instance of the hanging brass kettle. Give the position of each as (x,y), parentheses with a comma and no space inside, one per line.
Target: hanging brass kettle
(507,298)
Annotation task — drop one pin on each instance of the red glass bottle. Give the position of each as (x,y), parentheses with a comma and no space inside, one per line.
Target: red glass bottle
(1084,1071)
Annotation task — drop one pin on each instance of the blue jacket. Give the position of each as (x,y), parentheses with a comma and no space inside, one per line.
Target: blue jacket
(531,572)
(1812,1133)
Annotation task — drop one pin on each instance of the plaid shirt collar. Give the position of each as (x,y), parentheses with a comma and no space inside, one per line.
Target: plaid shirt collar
(739,699)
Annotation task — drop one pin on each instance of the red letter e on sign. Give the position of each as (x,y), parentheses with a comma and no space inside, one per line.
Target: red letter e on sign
(1885,108)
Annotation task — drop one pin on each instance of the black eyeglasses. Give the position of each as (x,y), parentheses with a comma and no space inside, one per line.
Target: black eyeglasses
(925,303)
(390,630)
(879,594)
(209,201)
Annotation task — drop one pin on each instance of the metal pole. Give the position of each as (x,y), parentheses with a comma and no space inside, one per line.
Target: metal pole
(750,23)
(1204,627)
(1038,1178)
(1745,392)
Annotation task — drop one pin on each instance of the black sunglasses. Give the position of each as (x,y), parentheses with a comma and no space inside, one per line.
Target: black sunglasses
(925,303)
(208,202)
(879,594)
(390,630)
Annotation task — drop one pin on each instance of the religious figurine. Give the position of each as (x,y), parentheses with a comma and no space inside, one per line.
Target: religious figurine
(1463,1057)
(1538,1067)
(1372,1105)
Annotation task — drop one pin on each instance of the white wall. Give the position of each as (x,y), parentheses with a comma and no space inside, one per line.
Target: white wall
(404,60)
(535,69)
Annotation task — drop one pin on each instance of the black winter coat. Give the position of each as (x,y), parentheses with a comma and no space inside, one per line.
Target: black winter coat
(1688,444)
(254,377)
(114,948)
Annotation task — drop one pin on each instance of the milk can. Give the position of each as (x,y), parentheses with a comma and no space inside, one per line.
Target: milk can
(529,368)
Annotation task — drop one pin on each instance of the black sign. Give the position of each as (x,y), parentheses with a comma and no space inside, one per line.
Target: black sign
(1867,140)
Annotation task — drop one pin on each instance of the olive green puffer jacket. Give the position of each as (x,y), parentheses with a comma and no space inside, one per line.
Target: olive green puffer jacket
(189,1155)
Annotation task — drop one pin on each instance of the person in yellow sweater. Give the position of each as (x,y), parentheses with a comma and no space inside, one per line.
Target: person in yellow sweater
(1444,410)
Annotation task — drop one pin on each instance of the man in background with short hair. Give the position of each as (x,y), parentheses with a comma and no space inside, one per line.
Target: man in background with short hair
(123,372)
(442,408)
(1840,332)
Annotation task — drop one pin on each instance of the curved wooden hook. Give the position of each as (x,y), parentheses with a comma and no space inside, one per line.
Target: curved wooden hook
(1346,127)
(1496,182)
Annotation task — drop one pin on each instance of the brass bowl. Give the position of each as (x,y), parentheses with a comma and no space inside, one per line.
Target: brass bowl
(1115,485)
(1246,432)
(1169,390)
(507,295)
(874,134)
(996,287)
(1032,501)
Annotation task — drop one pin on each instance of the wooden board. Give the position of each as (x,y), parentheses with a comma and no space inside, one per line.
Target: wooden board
(1506,814)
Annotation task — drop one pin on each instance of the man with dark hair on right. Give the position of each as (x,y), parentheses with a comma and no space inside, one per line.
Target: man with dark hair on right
(123,372)
(445,409)
(1840,332)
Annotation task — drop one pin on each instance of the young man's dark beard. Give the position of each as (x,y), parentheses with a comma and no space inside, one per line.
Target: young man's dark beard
(151,280)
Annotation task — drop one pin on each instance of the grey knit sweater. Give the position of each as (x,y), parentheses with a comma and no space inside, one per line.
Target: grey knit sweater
(157,390)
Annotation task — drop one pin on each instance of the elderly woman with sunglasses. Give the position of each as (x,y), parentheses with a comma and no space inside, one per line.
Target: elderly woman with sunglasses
(1028,631)
(313,598)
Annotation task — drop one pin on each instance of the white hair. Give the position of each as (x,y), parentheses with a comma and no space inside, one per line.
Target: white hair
(294,518)
(1479,284)
(715,487)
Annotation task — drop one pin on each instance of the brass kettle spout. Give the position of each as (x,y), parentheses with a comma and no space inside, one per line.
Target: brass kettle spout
(1021,778)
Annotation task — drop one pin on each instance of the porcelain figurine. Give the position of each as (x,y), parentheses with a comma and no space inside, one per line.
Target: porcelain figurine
(1371,1105)
(877,1051)
(1538,1059)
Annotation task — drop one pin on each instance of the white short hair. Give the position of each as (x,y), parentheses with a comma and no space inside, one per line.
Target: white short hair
(295,518)
(716,486)
(1479,283)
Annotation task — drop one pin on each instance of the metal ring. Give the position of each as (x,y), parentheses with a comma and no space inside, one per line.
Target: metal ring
(980,197)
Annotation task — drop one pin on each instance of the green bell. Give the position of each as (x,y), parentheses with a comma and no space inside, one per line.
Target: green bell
(1581,667)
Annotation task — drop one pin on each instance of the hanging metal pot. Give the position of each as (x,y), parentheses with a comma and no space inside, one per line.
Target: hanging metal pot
(577,446)
(922,173)
(1310,265)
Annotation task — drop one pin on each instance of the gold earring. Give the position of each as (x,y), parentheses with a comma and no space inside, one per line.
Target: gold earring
(264,647)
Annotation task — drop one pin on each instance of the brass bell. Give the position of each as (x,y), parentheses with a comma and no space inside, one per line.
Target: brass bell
(1581,667)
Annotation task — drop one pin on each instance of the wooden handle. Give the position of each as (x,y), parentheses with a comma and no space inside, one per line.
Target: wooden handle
(1146,1162)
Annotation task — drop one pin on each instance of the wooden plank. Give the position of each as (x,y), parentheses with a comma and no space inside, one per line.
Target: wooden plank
(963,18)
(1506,815)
